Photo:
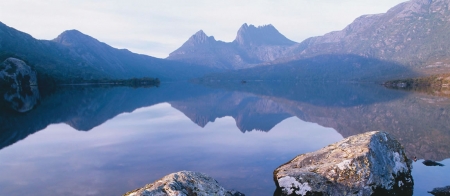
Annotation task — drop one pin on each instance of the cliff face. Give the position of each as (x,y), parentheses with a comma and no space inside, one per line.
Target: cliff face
(252,46)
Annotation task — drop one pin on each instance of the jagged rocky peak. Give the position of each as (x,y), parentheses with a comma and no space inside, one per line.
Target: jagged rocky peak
(261,35)
(200,37)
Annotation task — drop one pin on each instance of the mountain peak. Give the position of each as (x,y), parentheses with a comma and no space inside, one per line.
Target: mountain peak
(261,35)
(72,33)
(243,27)
(70,37)
(200,33)
(200,37)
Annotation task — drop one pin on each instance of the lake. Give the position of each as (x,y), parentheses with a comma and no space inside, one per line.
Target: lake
(100,140)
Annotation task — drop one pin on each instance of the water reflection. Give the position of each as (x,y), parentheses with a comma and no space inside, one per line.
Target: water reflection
(124,140)
(419,121)
(427,178)
(140,147)
(19,98)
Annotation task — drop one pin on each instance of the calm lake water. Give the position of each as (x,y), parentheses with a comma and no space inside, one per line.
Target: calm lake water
(110,140)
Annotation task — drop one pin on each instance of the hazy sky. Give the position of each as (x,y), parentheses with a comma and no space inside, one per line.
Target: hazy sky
(157,28)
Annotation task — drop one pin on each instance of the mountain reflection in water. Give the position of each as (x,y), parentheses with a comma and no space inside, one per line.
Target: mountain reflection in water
(418,121)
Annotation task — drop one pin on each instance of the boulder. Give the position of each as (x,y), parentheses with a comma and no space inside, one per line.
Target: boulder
(19,84)
(442,191)
(17,72)
(184,183)
(371,163)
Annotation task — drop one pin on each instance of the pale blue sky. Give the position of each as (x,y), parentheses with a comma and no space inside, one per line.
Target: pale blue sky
(157,28)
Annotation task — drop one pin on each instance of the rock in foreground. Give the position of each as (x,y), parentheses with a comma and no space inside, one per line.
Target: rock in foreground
(184,183)
(372,163)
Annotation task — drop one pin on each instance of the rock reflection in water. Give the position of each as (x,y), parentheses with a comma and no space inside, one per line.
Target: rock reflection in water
(22,99)
(419,122)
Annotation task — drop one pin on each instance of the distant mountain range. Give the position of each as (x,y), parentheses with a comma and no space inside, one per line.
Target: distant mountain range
(74,55)
(415,34)
(412,37)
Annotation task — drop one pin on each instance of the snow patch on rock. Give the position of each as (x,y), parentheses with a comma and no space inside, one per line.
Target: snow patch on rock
(290,184)
(344,164)
(400,166)
(367,164)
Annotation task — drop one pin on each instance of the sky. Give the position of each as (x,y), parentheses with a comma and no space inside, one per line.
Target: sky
(157,28)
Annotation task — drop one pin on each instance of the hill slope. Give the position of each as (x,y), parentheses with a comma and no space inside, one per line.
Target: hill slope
(74,55)
(413,33)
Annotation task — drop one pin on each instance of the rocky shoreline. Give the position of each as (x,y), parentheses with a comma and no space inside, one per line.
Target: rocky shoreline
(372,163)
(184,183)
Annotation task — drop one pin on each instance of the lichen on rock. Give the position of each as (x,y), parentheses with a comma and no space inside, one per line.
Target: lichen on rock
(364,164)
(184,183)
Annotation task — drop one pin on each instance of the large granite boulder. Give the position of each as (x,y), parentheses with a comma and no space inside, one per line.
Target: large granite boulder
(184,183)
(19,84)
(372,163)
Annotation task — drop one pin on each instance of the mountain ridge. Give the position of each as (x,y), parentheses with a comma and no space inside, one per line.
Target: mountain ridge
(74,56)
(413,34)
(252,46)
(261,35)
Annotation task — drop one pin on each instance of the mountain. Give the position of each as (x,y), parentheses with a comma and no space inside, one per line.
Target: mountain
(319,68)
(414,33)
(252,46)
(47,56)
(74,55)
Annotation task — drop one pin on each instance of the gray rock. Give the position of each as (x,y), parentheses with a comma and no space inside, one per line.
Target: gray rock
(20,83)
(184,183)
(16,70)
(364,164)
(442,191)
